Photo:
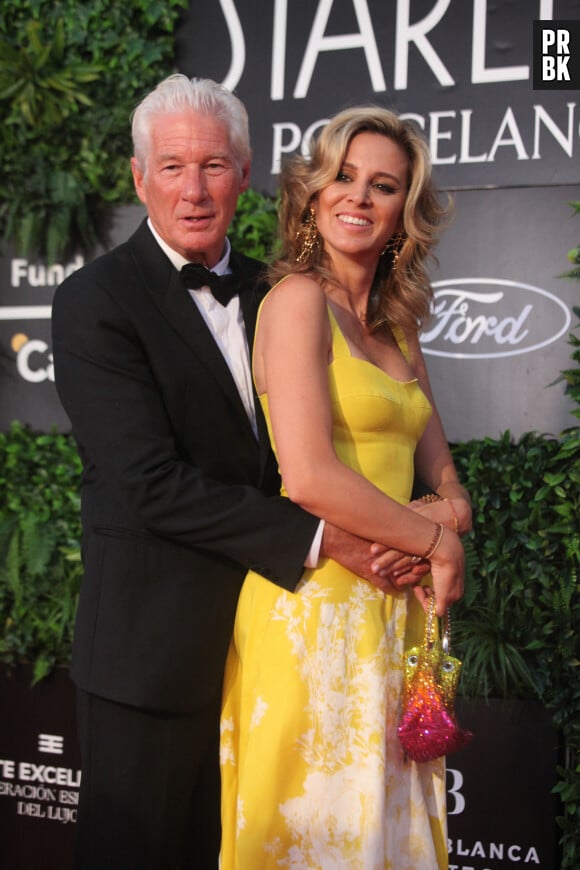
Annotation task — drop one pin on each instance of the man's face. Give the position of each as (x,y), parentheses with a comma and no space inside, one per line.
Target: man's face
(191,183)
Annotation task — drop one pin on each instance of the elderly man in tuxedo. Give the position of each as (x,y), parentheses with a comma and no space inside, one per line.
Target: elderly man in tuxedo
(179,490)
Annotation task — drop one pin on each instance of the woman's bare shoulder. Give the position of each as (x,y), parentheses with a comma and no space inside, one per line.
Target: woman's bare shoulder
(295,295)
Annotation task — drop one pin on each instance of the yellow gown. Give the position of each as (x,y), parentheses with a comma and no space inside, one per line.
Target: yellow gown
(313,775)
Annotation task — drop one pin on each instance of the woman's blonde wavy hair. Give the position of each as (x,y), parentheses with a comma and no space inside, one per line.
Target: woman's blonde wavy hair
(399,297)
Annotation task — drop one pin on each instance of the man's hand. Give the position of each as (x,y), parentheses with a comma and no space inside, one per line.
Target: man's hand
(388,570)
(398,566)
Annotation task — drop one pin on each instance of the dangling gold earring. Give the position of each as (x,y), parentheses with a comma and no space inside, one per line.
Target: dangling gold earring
(393,247)
(308,235)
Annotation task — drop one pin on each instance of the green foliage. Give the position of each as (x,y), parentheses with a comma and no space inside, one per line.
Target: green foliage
(40,568)
(70,75)
(36,82)
(571,376)
(253,229)
(574,253)
(516,624)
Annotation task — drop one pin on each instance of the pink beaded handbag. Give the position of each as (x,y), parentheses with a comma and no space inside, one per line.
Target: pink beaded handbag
(428,726)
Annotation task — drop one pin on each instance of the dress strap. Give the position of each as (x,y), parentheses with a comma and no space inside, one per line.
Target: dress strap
(340,348)
(399,337)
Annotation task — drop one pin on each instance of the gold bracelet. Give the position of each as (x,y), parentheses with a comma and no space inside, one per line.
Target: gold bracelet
(430,497)
(435,542)
(454,512)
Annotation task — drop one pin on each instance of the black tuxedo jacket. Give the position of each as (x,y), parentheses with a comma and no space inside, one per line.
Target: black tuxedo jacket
(178,497)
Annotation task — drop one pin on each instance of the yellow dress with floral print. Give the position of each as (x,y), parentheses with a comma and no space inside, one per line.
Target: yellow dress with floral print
(313,775)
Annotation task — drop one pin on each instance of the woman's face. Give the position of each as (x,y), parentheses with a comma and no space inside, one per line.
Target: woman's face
(360,211)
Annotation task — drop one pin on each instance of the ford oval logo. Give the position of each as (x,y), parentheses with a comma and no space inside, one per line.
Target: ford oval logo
(479,318)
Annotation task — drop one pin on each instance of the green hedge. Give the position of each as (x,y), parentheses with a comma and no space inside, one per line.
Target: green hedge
(40,570)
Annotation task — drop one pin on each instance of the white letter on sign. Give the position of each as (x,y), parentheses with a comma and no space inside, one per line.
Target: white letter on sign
(407,33)
(318,42)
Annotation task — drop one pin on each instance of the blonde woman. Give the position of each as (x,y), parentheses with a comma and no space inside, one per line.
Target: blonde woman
(313,775)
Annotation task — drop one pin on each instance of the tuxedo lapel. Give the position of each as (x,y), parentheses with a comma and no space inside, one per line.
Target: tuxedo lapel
(164,285)
(187,319)
(251,293)
(250,299)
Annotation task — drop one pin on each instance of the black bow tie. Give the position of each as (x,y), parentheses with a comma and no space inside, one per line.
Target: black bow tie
(223,287)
